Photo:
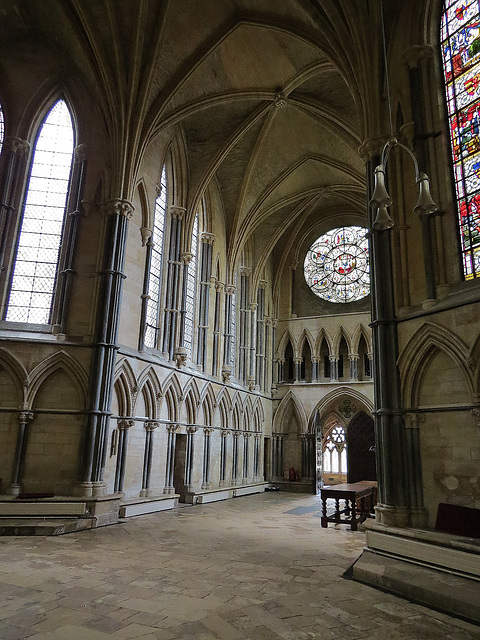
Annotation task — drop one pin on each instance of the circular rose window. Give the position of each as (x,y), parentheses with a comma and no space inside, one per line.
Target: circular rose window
(336,265)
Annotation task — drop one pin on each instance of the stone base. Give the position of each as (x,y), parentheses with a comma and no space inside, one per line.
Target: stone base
(431,568)
(139,507)
(224,493)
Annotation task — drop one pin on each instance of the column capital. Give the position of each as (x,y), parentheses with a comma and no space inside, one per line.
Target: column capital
(186,257)
(80,153)
(236,434)
(253,306)
(207,238)
(151,425)
(146,234)
(176,211)
(191,429)
(247,434)
(246,271)
(25,416)
(372,147)
(294,265)
(219,286)
(297,360)
(262,284)
(119,207)
(123,424)
(225,432)
(418,54)
(230,289)
(17,145)
(171,428)
(208,431)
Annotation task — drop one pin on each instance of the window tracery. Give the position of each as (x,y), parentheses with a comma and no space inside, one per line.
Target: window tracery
(37,253)
(460,39)
(190,291)
(336,266)
(335,451)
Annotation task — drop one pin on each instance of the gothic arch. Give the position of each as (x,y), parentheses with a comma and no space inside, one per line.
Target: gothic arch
(57,362)
(336,394)
(17,374)
(146,210)
(149,385)
(291,403)
(173,395)
(282,345)
(418,353)
(125,385)
(360,331)
(208,405)
(341,333)
(306,336)
(323,335)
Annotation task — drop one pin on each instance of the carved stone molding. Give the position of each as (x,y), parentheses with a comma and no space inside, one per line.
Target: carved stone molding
(180,356)
(176,211)
(208,431)
(123,424)
(80,153)
(146,234)
(186,257)
(226,373)
(219,286)
(246,271)
(207,238)
(171,428)
(17,146)
(418,54)
(151,425)
(25,416)
(230,289)
(191,430)
(119,207)
(280,101)
(372,147)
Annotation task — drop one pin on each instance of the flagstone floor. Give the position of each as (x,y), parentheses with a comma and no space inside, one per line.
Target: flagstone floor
(256,568)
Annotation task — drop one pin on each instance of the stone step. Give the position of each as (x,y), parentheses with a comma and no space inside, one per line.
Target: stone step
(50,527)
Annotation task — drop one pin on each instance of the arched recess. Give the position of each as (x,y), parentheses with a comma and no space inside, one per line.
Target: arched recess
(342,333)
(336,397)
(359,333)
(286,339)
(151,389)
(12,384)
(59,361)
(290,408)
(334,449)
(173,393)
(208,405)
(55,434)
(434,369)
(126,388)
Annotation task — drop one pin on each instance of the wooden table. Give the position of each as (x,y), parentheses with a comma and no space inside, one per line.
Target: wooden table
(360,499)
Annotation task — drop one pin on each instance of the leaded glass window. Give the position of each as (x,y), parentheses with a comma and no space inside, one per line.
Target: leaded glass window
(155,274)
(2,128)
(335,451)
(337,265)
(190,291)
(34,273)
(460,35)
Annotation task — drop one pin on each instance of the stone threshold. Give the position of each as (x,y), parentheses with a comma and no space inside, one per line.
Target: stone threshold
(46,527)
(143,506)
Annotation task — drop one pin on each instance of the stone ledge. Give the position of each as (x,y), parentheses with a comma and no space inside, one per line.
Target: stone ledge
(204,496)
(142,506)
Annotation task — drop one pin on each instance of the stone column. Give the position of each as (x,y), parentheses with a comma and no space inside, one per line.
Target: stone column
(235,479)
(297,369)
(228,336)
(207,433)
(275,364)
(105,349)
(353,359)
(170,464)
(246,457)
(315,362)
(223,457)
(256,457)
(217,330)
(174,282)
(123,426)
(293,267)
(207,240)
(189,458)
(333,368)
(253,345)
(24,418)
(150,427)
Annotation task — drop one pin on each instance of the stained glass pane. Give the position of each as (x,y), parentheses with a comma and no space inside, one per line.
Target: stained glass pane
(2,128)
(34,274)
(190,292)
(460,35)
(154,277)
(337,266)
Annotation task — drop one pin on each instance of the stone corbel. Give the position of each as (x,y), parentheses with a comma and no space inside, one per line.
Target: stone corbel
(180,357)
(146,234)
(226,373)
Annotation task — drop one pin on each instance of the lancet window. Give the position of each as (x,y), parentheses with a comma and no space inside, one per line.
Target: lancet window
(460,40)
(38,247)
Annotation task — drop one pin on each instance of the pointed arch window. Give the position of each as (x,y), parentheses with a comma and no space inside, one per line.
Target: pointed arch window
(155,272)
(2,128)
(191,284)
(38,248)
(460,40)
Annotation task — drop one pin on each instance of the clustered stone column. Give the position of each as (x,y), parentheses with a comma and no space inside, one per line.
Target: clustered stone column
(24,418)
(150,427)
(236,435)
(123,426)
(277,456)
(246,457)
(223,457)
(191,431)
(307,456)
(207,433)
(170,465)
(256,457)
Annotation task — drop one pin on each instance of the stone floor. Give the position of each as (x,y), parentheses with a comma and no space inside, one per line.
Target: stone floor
(258,567)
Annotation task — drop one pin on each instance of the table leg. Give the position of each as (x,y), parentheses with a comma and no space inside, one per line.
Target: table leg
(324,521)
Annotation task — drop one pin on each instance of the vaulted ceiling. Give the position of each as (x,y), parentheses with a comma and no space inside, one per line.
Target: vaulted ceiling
(271,97)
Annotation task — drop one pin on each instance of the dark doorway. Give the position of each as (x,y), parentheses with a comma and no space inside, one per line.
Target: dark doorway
(361,449)
(179,469)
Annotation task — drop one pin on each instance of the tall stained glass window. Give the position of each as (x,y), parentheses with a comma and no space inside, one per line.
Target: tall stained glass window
(35,270)
(2,128)
(460,35)
(190,291)
(337,266)
(155,274)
